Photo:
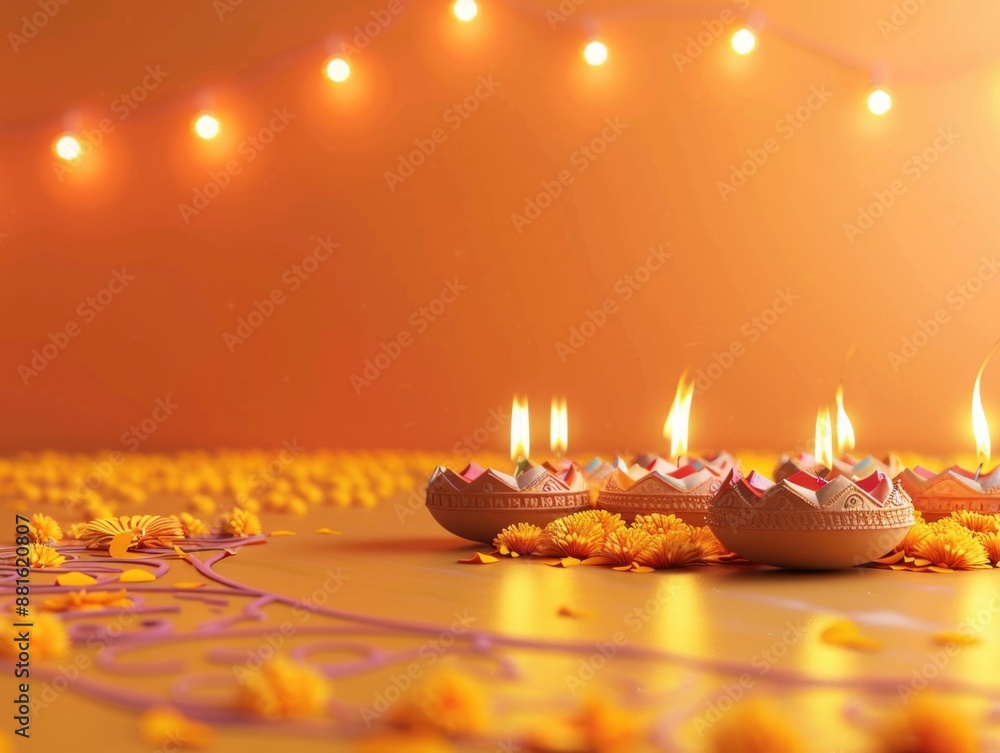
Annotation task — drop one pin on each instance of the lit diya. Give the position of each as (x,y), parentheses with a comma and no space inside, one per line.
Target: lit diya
(477,502)
(652,484)
(805,522)
(938,495)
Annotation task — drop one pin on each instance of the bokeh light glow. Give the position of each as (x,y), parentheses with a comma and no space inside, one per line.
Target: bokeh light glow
(879,102)
(68,148)
(338,70)
(206,126)
(595,53)
(465,10)
(744,41)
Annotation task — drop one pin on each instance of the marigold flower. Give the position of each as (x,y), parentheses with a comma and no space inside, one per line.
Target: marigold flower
(42,555)
(609,521)
(710,547)
(975,521)
(283,688)
(951,546)
(608,728)
(164,728)
(578,535)
(191,525)
(930,724)
(518,540)
(672,549)
(657,522)
(626,545)
(86,601)
(43,529)
(239,522)
(991,543)
(149,531)
(75,530)
(448,701)
(756,726)
(913,537)
(49,638)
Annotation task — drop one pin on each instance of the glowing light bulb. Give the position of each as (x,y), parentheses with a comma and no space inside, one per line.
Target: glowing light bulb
(465,10)
(338,70)
(207,126)
(879,102)
(595,53)
(68,148)
(744,41)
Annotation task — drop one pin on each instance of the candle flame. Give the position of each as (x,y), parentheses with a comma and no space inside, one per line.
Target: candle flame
(824,438)
(980,428)
(559,427)
(675,428)
(845,431)
(520,436)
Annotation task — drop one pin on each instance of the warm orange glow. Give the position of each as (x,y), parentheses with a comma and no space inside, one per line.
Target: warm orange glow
(520,434)
(845,430)
(744,41)
(465,10)
(676,426)
(559,427)
(980,428)
(824,438)
(595,53)
(879,102)
(338,70)
(207,126)
(68,148)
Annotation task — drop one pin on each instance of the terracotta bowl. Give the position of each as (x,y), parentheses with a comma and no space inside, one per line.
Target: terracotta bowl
(943,494)
(481,516)
(652,494)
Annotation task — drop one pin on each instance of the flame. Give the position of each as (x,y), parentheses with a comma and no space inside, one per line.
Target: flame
(559,427)
(845,431)
(676,426)
(980,428)
(520,436)
(824,438)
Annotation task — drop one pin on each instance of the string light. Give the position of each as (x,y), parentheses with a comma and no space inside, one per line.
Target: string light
(68,148)
(338,70)
(207,126)
(879,102)
(465,10)
(595,53)
(743,41)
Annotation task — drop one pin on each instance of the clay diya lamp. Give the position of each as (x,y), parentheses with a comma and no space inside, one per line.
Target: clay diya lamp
(804,522)
(478,502)
(662,487)
(938,495)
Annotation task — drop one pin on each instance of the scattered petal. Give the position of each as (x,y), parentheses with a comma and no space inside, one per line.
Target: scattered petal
(845,633)
(120,542)
(282,533)
(328,531)
(75,579)
(86,601)
(564,562)
(479,559)
(189,584)
(136,575)
(576,614)
(955,638)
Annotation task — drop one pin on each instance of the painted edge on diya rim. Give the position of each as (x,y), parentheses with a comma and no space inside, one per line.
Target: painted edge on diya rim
(571,501)
(948,496)
(646,504)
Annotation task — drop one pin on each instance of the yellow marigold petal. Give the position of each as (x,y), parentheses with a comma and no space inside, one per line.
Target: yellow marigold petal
(163,727)
(328,531)
(136,575)
(49,638)
(448,702)
(845,633)
(579,535)
(563,562)
(756,726)
(282,533)
(519,539)
(955,638)
(43,529)
(189,584)
(395,742)
(239,523)
(626,545)
(119,546)
(43,555)
(282,688)
(82,601)
(576,614)
(949,545)
(479,559)
(75,579)
(659,523)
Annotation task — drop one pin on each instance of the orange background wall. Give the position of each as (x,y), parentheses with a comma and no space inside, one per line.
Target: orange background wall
(657,184)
